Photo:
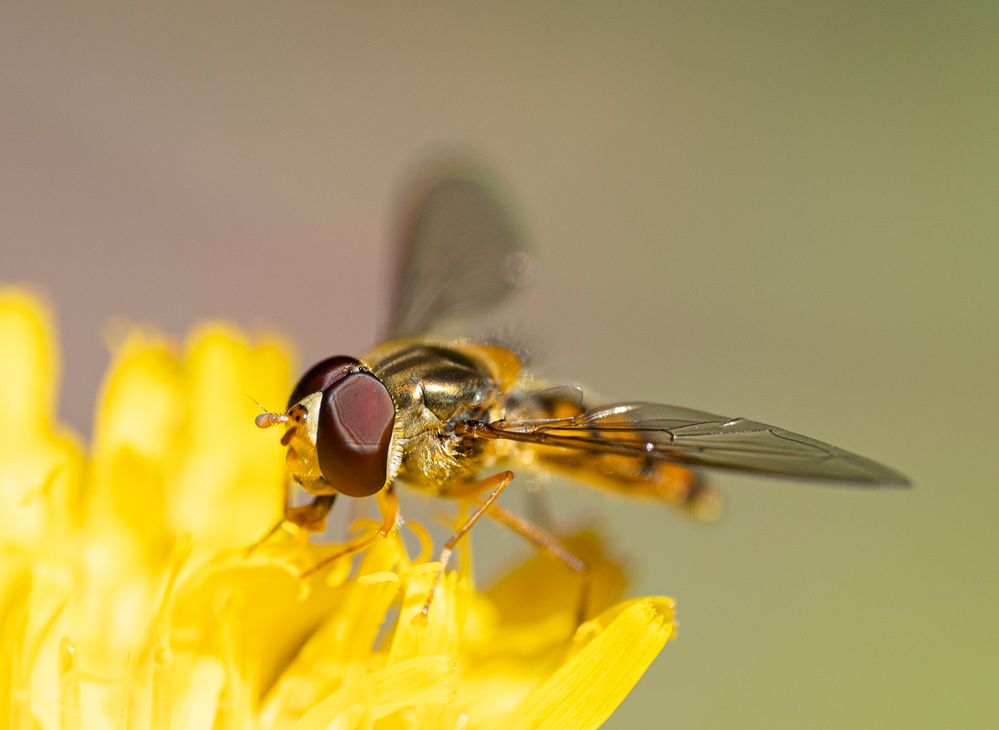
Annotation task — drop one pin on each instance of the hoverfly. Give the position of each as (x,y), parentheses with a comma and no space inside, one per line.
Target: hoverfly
(453,416)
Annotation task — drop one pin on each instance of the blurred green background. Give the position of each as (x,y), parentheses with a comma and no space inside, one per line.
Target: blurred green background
(781,210)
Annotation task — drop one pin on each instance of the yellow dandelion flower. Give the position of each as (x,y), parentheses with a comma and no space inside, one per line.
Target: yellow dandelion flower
(127,600)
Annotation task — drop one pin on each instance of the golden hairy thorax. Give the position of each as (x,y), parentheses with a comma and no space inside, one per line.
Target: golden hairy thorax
(434,385)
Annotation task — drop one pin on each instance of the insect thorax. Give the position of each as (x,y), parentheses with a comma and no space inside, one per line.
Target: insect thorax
(434,387)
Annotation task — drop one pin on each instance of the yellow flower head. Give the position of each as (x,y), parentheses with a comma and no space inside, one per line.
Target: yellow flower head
(127,599)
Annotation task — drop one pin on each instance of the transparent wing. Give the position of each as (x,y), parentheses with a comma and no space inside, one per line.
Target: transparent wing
(687,436)
(462,254)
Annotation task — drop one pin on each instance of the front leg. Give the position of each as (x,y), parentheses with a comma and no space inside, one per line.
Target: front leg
(310,517)
(389,504)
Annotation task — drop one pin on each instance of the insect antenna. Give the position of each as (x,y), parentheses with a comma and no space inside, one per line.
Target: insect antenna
(267,418)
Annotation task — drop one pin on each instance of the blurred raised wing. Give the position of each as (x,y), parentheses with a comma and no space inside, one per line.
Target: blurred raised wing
(696,438)
(462,254)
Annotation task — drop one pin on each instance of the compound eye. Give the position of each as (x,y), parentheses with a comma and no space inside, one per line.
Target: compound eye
(354,434)
(321,376)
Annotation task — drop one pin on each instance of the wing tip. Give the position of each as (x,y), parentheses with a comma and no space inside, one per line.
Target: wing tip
(896,481)
(879,477)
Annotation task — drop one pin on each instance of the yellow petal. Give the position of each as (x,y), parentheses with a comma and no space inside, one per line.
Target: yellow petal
(344,640)
(198,694)
(440,630)
(415,681)
(139,406)
(135,441)
(40,464)
(437,633)
(229,488)
(534,620)
(586,690)
(29,367)
(15,587)
(262,607)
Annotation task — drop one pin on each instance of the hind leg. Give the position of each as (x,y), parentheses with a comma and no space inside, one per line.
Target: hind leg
(551,546)
(543,540)
(497,482)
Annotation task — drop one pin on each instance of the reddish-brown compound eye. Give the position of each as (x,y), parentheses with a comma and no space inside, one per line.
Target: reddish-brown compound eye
(321,376)
(355,430)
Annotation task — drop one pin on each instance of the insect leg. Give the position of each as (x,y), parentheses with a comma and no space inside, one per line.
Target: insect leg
(463,490)
(499,481)
(389,504)
(311,517)
(551,546)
